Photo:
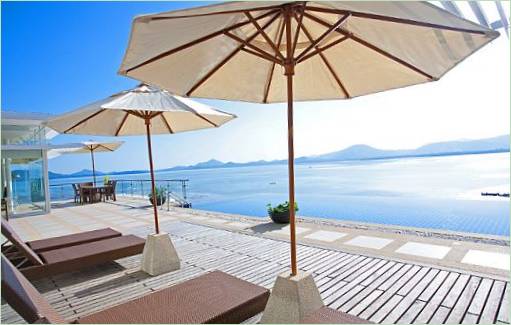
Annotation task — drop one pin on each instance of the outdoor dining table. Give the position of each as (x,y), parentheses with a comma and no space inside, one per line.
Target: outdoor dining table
(90,192)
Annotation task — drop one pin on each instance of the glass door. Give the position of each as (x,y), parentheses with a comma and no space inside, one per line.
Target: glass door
(24,180)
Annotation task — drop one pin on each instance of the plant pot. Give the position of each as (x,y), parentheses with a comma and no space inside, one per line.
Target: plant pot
(159,200)
(282,217)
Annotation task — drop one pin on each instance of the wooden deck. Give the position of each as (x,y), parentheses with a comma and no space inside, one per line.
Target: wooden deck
(380,290)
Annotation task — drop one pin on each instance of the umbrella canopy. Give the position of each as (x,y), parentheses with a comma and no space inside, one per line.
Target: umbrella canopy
(126,113)
(142,110)
(284,51)
(91,147)
(341,49)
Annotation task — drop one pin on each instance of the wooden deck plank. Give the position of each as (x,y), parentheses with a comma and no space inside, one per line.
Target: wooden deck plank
(434,303)
(410,275)
(365,303)
(411,313)
(355,272)
(503,315)
(440,315)
(456,290)
(463,301)
(489,313)
(384,310)
(479,298)
(433,286)
(346,292)
(403,274)
(430,279)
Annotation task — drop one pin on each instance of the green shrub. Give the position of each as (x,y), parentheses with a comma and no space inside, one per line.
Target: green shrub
(160,192)
(281,208)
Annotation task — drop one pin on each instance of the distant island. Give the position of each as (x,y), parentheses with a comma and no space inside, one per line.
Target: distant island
(356,152)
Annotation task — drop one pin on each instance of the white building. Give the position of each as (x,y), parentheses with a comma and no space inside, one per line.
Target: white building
(24,162)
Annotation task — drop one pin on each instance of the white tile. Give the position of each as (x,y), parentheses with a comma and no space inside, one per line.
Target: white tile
(285,230)
(369,242)
(424,250)
(487,259)
(327,236)
(239,225)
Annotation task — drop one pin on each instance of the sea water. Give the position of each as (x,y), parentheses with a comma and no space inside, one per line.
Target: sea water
(430,192)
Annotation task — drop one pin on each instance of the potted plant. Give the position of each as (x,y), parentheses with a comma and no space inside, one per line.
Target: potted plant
(280,213)
(161,195)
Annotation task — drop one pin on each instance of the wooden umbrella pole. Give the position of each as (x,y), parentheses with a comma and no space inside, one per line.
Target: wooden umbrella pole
(153,187)
(93,168)
(289,72)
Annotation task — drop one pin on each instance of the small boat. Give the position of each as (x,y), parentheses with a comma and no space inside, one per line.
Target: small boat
(495,194)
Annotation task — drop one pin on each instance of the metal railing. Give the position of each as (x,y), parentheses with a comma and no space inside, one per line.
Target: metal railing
(176,190)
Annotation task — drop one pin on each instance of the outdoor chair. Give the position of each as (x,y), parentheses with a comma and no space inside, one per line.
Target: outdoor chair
(73,253)
(77,193)
(84,193)
(5,206)
(109,191)
(215,297)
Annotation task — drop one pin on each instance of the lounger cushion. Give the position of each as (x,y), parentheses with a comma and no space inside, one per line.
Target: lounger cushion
(13,237)
(215,297)
(21,295)
(73,239)
(93,249)
(326,315)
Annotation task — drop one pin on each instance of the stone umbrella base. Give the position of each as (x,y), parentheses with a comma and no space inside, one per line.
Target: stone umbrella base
(292,297)
(159,255)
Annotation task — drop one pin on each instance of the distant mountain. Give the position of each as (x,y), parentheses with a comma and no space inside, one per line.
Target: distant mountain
(364,152)
(356,152)
(81,173)
(213,163)
(492,144)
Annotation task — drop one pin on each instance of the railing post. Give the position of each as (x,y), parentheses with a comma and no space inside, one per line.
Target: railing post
(183,189)
(168,196)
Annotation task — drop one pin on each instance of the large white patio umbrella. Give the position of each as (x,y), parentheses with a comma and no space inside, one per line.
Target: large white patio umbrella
(268,52)
(91,147)
(142,110)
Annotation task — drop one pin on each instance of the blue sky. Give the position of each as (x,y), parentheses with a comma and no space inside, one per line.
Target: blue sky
(59,56)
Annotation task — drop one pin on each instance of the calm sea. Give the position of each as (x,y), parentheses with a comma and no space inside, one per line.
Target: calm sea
(434,192)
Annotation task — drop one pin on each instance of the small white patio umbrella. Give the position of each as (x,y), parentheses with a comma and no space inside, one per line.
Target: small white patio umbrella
(92,147)
(142,110)
(268,52)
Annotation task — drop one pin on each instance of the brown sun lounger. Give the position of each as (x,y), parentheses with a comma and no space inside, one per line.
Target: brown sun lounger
(215,297)
(42,245)
(325,315)
(35,265)
(73,239)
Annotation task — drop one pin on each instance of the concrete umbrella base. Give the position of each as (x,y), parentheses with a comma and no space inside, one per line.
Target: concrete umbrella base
(292,297)
(159,255)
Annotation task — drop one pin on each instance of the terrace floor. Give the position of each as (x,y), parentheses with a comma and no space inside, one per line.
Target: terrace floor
(380,277)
